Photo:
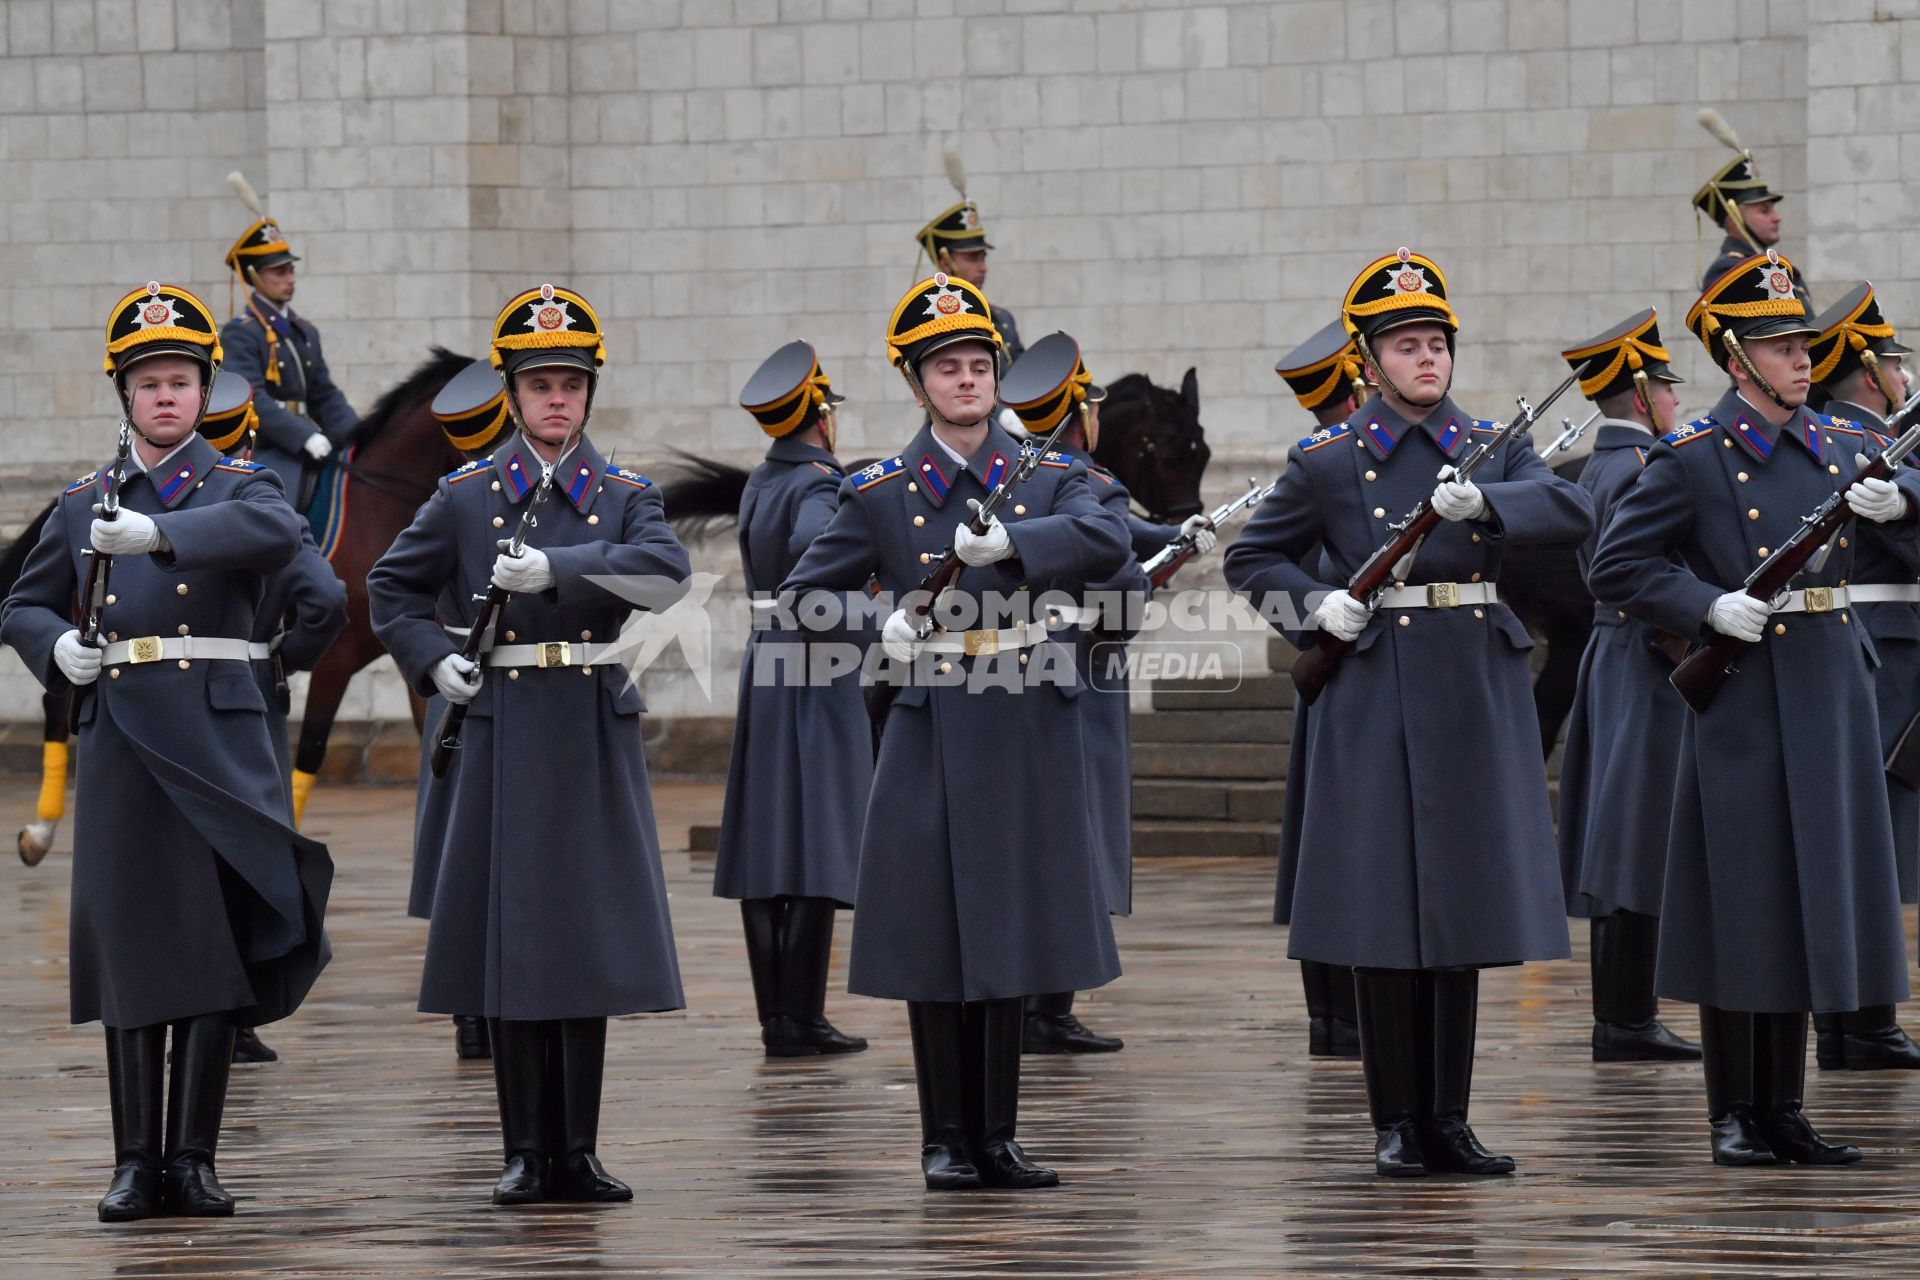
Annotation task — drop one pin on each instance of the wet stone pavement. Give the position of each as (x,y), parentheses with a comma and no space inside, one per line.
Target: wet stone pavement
(1212,1146)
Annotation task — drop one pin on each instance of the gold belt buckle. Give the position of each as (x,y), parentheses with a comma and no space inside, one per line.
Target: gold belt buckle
(552,653)
(1443,595)
(981,643)
(1819,599)
(143,649)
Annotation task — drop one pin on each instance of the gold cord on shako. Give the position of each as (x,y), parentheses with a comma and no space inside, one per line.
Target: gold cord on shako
(548,327)
(1391,293)
(162,320)
(950,309)
(1754,300)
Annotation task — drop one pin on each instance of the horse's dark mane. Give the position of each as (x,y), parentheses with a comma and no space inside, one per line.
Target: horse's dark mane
(435,372)
(702,495)
(1130,386)
(14,558)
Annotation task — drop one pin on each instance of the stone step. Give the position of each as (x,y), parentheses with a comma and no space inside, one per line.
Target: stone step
(1253,692)
(1265,761)
(1207,798)
(1180,838)
(1211,726)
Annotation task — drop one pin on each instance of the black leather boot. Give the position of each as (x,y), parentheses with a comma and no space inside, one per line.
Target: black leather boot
(1313,982)
(248,1047)
(136,1082)
(1727,1043)
(762,919)
(576,1172)
(1873,1041)
(1626,1013)
(1449,1141)
(1390,1049)
(1780,1077)
(520,1071)
(1048,1026)
(196,1097)
(1343,1027)
(470,1038)
(800,1029)
(993,1047)
(939,1041)
(1829,1042)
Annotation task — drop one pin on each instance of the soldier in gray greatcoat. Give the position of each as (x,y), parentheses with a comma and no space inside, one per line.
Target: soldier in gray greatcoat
(304,416)
(974,892)
(1781,893)
(1047,384)
(802,763)
(549,911)
(1858,360)
(1736,199)
(955,242)
(195,903)
(1327,376)
(1415,867)
(1616,779)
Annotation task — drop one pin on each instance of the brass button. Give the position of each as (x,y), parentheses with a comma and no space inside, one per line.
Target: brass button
(1726,442)
(114,673)
(1844,618)
(496,486)
(586,635)
(184,664)
(180,590)
(112,636)
(912,487)
(924,557)
(1405,621)
(1479,613)
(513,673)
(1843,544)
(918,521)
(945,667)
(183,628)
(1023,659)
(1378,512)
(200,485)
(1019,508)
(1762,553)
(1373,475)
(1476,577)
(1742,477)
(1753,513)
(1623,613)
(1833,468)
(1476,537)
(586,671)
(1779,628)
(498,521)
(510,635)
(113,599)
(593,519)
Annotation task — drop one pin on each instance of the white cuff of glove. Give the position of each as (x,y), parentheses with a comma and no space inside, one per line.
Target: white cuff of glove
(1458,499)
(129,533)
(1877,500)
(1200,529)
(457,679)
(1739,615)
(78,662)
(982,548)
(527,572)
(899,637)
(1341,616)
(316,446)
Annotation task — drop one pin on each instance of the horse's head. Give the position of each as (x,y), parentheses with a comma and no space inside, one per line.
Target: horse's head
(1151,439)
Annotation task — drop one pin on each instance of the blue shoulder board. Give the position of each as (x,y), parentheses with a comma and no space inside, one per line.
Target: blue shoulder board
(82,482)
(236,464)
(625,476)
(1054,459)
(1485,427)
(468,470)
(1692,431)
(1325,436)
(1836,423)
(885,469)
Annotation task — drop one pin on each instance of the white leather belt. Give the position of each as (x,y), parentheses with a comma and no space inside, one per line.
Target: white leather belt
(1074,615)
(974,644)
(1440,595)
(1883,593)
(170,648)
(1817,600)
(553,653)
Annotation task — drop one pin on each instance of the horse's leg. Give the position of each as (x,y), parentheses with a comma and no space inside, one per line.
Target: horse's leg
(36,838)
(353,649)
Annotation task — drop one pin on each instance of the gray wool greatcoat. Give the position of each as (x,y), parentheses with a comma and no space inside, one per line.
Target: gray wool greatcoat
(1424,838)
(979,878)
(1623,738)
(802,762)
(192,893)
(1780,892)
(1895,628)
(304,380)
(549,901)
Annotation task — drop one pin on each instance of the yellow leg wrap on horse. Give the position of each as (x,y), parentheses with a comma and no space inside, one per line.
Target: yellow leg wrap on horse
(302,788)
(53,781)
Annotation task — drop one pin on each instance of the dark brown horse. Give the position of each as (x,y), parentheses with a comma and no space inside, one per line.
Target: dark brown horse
(399,453)
(1152,441)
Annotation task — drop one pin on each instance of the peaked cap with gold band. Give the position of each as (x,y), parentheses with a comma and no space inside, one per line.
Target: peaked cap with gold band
(260,245)
(1325,368)
(789,390)
(161,319)
(544,327)
(1611,361)
(955,228)
(472,408)
(1754,300)
(1850,330)
(1047,383)
(1400,289)
(230,415)
(1736,183)
(936,313)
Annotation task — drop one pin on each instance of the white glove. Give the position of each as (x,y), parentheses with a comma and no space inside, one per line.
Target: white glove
(1875,500)
(1458,499)
(1739,615)
(899,637)
(79,663)
(1010,423)
(127,534)
(316,446)
(982,548)
(1200,529)
(457,679)
(1342,616)
(529,571)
